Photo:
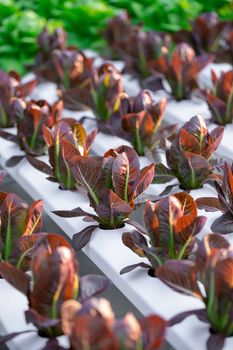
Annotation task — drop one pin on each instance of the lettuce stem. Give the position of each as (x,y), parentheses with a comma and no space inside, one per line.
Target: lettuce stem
(183,249)
(56,157)
(8,242)
(33,139)
(211,295)
(171,242)
(138,142)
(76,287)
(142,61)
(3,117)
(179,94)
(229,107)
(23,255)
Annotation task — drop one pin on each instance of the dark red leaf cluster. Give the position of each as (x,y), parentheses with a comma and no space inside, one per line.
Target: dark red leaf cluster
(93,325)
(55,280)
(103,93)
(135,46)
(112,183)
(10,87)
(31,118)
(189,156)
(172,224)
(213,266)
(223,203)
(209,34)
(67,140)
(180,70)
(18,219)
(56,62)
(220,98)
(143,122)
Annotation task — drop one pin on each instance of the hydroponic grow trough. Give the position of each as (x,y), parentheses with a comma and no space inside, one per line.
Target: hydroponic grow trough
(106,250)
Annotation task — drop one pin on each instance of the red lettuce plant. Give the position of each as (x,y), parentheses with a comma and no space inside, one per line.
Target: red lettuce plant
(180,69)
(72,68)
(143,123)
(93,325)
(35,115)
(112,182)
(63,65)
(68,139)
(189,156)
(223,203)
(213,268)
(220,99)
(54,280)
(117,33)
(103,96)
(31,117)
(47,43)
(135,46)
(17,220)
(171,225)
(209,34)
(10,87)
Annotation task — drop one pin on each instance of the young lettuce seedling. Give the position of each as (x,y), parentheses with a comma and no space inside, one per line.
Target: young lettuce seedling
(47,43)
(112,183)
(17,220)
(93,325)
(134,45)
(65,66)
(180,69)
(10,87)
(171,224)
(209,34)
(68,139)
(31,117)
(72,69)
(103,93)
(189,157)
(223,203)
(220,98)
(54,280)
(212,267)
(143,123)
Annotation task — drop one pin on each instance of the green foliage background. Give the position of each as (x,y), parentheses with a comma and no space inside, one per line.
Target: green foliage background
(22,20)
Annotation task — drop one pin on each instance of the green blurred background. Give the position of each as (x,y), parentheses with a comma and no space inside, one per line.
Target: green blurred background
(22,20)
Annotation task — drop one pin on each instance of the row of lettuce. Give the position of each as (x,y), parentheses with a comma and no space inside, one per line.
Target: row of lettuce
(21,21)
(114,184)
(60,301)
